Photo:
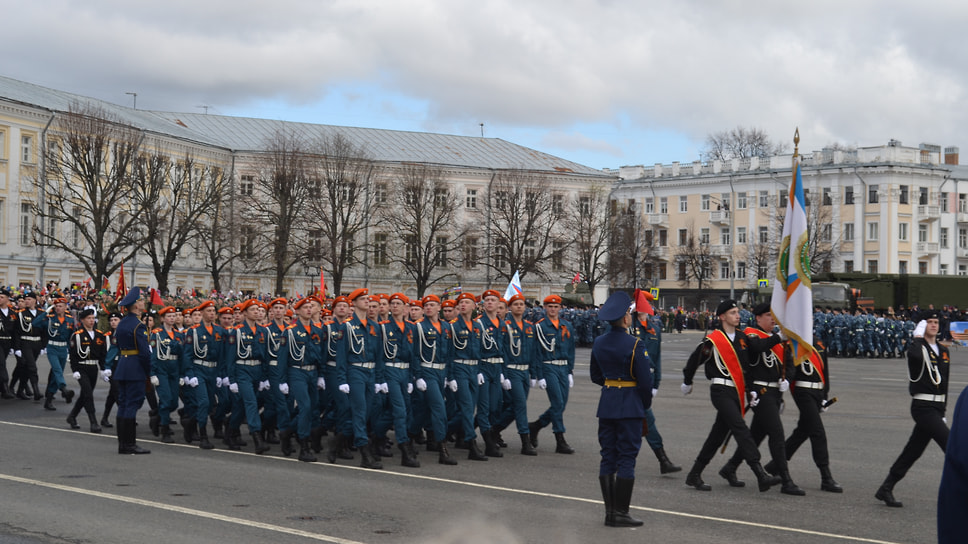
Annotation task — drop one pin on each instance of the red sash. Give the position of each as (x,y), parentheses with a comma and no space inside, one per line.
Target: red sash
(727,353)
(817,363)
(777,349)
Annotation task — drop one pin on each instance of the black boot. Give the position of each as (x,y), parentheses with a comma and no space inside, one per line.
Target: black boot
(216,428)
(49,402)
(533,429)
(473,452)
(418,437)
(229,439)
(432,444)
(166,434)
(886,493)
(127,436)
(665,465)
(561,446)
(36,387)
(608,484)
(526,447)
(203,439)
(316,438)
(771,467)
(368,459)
(105,423)
(763,480)
(444,457)
(346,448)
(491,449)
(188,429)
(694,478)
(285,443)
(72,421)
(95,428)
(728,472)
(827,482)
(332,449)
(382,447)
(22,391)
(269,436)
(406,457)
(260,446)
(67,394)
(790,488)
(412,449)
(154,423)
(305,451)
(5,391)
(621,498)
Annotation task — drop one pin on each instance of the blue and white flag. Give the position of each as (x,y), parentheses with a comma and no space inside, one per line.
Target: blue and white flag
(514,288)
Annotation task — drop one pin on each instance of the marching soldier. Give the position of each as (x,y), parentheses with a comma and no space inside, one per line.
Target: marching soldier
(301,357)
(433,364)
(246,359)
(8,323)
(134,365)
(465,347)
(334,403)
(724,353)
(110,360)
(166,371)
(398,337)
(928,365)
(276,412)
(200,359)
(28,342)
(556,350)
(520,371)
(87,350)
(490,373)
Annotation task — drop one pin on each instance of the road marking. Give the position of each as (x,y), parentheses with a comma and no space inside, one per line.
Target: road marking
(180,510)
(327,466)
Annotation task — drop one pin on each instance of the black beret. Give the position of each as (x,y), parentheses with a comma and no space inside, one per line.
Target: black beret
(86,312)
(725,306)
(930,314)
(761,308)
(116,314)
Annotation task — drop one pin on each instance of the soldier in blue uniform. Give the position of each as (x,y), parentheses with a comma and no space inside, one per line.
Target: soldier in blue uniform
(466,350)
(276,412)
(246,359)
(133,367)
(620,364)
(433,365)
(201,356)
(520,369)
(109,362)
(398,337)
(556,351)
(334,405)
(166,371)
(57,328)
(301,358)
(490,372)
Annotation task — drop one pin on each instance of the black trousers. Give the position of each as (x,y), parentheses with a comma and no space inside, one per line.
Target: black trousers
(928,426)
(767,423)
(87,382)
(728,418)
(810,425)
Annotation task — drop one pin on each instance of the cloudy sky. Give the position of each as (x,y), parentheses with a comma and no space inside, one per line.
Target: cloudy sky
(604,83)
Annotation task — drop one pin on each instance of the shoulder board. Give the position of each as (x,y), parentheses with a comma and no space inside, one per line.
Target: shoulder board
(158,329)
(384,322)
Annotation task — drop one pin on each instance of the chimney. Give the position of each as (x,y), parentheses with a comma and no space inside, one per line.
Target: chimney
(951,155)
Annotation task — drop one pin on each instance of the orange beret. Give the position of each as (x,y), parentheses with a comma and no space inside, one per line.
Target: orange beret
(188,311)
(279,300)
(373,298)
(60,301)
(299,303)
(503,301)
(514,298)
(399,296)
(448,304)
(247,304)
(167,310)
(362,291)
(339,299)
(552,299)
(431,298)
(288,312)
(417,302)
(384,296)
(226,310)
(467,296)
(490,293)
(206,304)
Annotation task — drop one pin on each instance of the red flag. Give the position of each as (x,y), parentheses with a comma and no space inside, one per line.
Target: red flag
(194,294)
(105,283)
(642,299)
(576,279)
(156,298)
(122,287)
(322,284)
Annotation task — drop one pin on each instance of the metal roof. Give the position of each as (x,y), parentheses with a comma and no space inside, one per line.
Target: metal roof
(250,135)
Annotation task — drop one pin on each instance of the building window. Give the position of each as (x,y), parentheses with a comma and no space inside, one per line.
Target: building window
(247,241)
(923,196)
(649,205)
(848,266)
(962,270)
(724,236)
(704,236)
(27,149)
(741,270)
(943,237)
(683,237)
(440,259)
(3,221)
(806,197)
(380,249)
(872,266)
(944,202)
(664,204)
(764,199)
(315,241)
(558,257)
(872,194)
(740,235)
(741,201)
(501,201)
(681,272)
(683,203)
(380,193)
(246,185)
(962,203)
(922,267)
(471,200)
(501,257)
(849,195)
(902,267)
(873,231)
(3,145)
(470,253)
(663,237)
(784,197)
(661,267)
(922,233)
(943,269)
(848,232)
(26,224)
(826,201)
(648,238)
(902,232)
(703,203)
(724,270)
(904,194)
(826,233)
(558,203)
(764,235)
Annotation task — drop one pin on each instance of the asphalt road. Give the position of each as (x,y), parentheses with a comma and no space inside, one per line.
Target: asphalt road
(58,485)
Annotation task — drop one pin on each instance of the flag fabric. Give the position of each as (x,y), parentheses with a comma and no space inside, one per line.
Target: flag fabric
(156,298)
(322,284)
(576,279)
(122,287)
(642,299)
(792,296)
(105,283)
(454,290)
(514,288)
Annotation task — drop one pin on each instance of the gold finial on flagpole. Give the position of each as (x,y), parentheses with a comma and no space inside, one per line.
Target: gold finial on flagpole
(796,141)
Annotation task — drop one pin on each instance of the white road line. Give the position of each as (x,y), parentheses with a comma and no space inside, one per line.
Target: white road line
(326,466)
(180,510)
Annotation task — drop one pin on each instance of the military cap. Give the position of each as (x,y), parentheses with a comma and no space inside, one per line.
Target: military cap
(226,310)
(448,304)
(490,293)
(339,299)
(399,296)
(467,296)
(431,298)
(725,306)
(86,312)
(206,304)
(362,291)
(167,310)
(373,298)
(761,308)
(615,307)
(115,314)
(280,300)
(929,314)
(555,299)
(417,302)
(299,303)
(515,297)
(133,295)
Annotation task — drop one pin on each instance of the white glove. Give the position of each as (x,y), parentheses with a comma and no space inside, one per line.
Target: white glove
(193,382)
(384,388)
(77,376)
(452,385)
(654,392)
(754,399)
(218,382)
(11,351)
(284,388)
(571,381)
(502,378)
(480,379)
(506,384)
(409,388)
(781,335)
(543,383)
(154,381)
(344,388)
(263,385)
(107,374)
(944,420)
(321,383)
(181,382)
(919,330)
(376,388)
(234,387)
(784,386)
(43,351)
(225,381)
(421,384)
(686,389)
(18,353)
(103,377)
(534,383)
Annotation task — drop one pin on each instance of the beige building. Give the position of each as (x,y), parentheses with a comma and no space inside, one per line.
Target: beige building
(885,209)
(28,115)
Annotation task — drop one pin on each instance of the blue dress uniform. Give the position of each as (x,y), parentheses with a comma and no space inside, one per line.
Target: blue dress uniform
(27,344)
(433,365)
(398,338)
(302,358)
(201,356)
(58,331)
(648,331)
(520,369)
(556,350)
(357,357)
(246,359)
(134,364)
(620,364)
(166,366)
(276,409)
(490,396)
(333,405)
(953,491)
(465,345)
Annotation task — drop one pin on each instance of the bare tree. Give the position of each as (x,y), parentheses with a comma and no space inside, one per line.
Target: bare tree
(86,188)
(589,221)
(698,258)
(633,253)
(422,225)
(175,196)
(216,238)
(740,143)
(820,240)
(343,177)
(521,214)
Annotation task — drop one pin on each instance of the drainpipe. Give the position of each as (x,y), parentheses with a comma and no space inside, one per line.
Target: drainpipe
(43,194)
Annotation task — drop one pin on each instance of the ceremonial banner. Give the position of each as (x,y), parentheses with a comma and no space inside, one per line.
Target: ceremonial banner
(122,287)
(792,303)
(959,332)
(514,288)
